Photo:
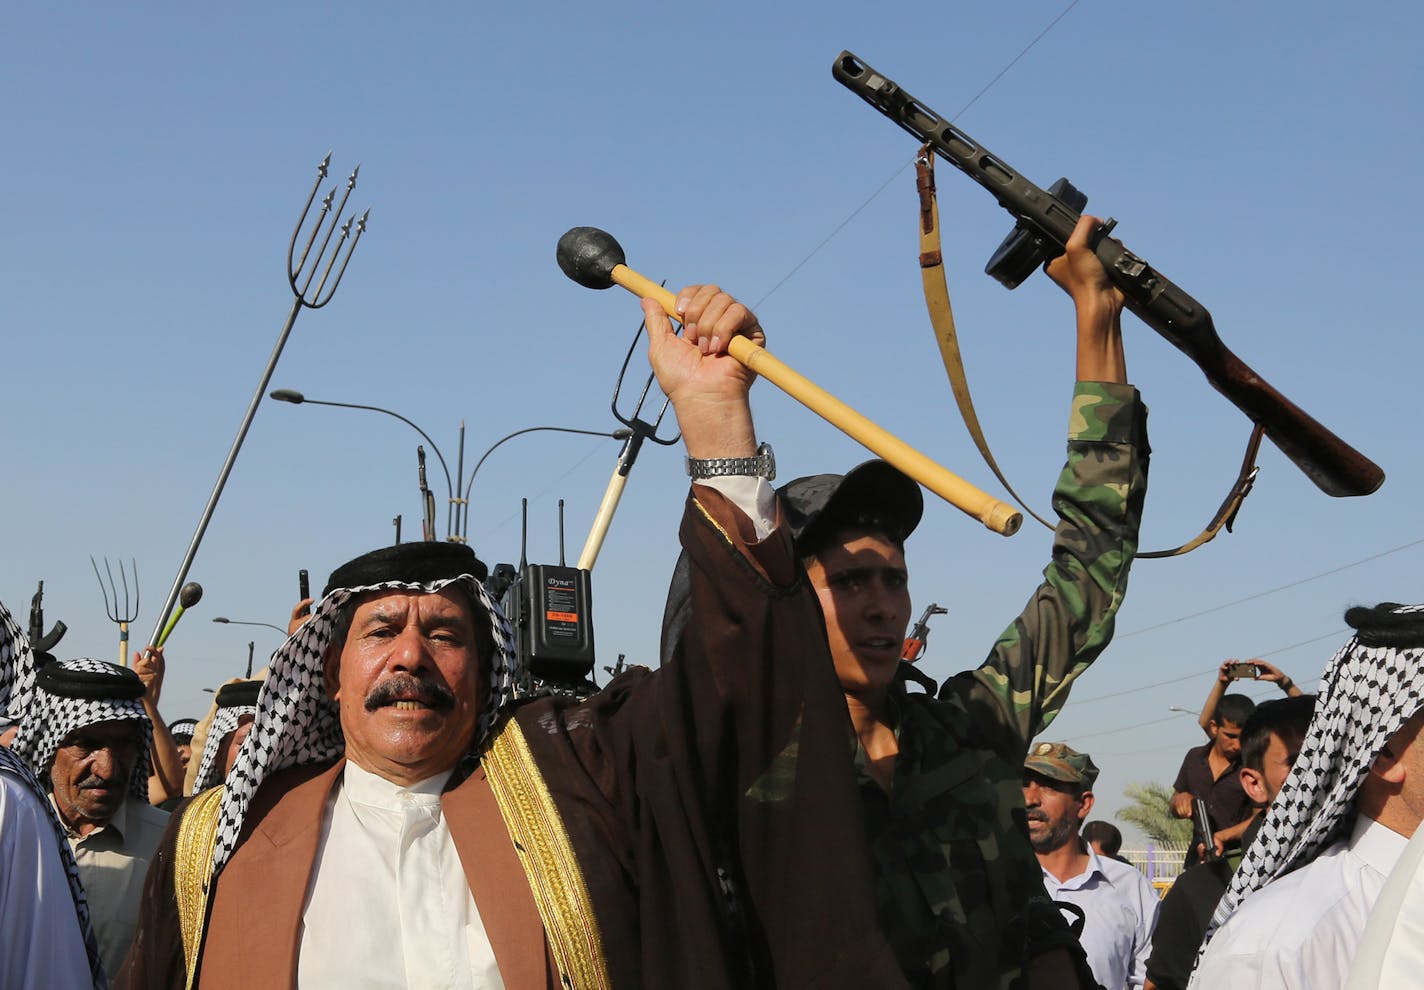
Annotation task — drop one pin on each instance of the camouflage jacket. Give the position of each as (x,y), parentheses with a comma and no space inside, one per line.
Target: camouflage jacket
(959,891)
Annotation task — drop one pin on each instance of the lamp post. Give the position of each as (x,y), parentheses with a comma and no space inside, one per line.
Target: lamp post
(238,622)
(451,518)
(623,433)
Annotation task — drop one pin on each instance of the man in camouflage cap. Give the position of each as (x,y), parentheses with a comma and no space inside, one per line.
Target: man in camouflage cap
(1117,905)
(958,890)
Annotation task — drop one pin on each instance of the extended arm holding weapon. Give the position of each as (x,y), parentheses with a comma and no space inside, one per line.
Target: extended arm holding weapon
(1045,222)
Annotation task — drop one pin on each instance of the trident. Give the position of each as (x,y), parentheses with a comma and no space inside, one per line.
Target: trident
(301,271)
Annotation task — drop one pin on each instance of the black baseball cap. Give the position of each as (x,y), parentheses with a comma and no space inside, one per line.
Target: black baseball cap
(821,503)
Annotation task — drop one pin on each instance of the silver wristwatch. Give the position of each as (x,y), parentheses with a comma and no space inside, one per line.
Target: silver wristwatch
(763,465)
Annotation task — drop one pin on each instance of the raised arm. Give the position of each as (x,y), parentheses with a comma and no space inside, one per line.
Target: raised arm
(1099,496)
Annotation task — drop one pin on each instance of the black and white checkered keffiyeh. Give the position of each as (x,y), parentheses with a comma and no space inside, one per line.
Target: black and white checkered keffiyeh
(298,725)
(17,669)
(1366,694)
(51,717)
(225,720)
(16,767)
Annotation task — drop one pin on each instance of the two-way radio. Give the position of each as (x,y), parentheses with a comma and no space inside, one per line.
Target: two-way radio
(550,607)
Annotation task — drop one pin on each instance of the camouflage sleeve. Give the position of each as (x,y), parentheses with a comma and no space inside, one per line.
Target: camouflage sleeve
(1069,620)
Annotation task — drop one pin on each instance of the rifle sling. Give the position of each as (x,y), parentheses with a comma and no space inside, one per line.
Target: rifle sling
(942,320)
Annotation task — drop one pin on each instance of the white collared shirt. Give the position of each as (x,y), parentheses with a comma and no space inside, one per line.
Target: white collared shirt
(113,864)
(389,905)
(1121,911)
(1301,930)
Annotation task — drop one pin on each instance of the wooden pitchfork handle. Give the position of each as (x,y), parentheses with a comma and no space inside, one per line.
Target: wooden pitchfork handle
(997,515)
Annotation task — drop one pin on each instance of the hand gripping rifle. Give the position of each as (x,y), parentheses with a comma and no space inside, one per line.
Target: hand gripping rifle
(1046,219)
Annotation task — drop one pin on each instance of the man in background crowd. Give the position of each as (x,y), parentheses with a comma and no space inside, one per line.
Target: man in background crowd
(1118,903)
(1295,910)
(1105,838)
(86,737)
(1270,741)
(1212,771)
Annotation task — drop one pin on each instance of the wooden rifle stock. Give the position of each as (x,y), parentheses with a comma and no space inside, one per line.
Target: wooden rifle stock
(1335,467)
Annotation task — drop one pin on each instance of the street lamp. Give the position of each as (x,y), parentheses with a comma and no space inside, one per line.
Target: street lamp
(623,433)
(238,622)
(297,398)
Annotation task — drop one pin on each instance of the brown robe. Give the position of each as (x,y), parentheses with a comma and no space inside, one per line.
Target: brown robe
(710,806)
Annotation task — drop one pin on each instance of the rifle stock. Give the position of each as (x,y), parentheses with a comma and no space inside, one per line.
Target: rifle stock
(1327,460)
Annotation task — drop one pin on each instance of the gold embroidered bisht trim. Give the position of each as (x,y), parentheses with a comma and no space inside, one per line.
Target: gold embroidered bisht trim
(549,862)
(192,867)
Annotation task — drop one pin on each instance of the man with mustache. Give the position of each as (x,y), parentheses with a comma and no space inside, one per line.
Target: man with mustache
(86,736)
(1117,903)
(399,816)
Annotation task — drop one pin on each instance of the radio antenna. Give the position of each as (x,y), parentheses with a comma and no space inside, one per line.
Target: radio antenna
(562,561)
(523,534)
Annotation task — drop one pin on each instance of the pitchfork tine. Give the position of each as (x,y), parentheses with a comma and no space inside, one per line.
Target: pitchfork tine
(321,173)
(326,241)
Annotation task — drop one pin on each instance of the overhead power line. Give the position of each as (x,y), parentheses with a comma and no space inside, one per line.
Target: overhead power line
(1271,591)
(896,174)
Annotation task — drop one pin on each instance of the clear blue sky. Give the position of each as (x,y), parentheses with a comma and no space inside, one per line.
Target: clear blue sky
(1265,157)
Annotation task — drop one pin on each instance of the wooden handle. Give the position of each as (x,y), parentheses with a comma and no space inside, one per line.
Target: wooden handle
(996,515)
(601,522)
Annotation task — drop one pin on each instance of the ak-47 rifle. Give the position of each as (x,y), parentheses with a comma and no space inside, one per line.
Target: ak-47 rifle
(914,645)
(1047,218)
(41,642)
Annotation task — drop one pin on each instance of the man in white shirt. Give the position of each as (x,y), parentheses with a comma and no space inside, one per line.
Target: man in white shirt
(1118,904)
(399,816)
(86,737)
(1298,905)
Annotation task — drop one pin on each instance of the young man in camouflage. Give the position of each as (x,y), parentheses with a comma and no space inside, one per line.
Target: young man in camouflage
(959,891)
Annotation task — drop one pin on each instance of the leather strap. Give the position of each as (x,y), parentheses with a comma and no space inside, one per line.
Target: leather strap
(1225,514)
(942,320)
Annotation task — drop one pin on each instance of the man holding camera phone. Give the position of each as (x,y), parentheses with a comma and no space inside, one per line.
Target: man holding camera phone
(1212,771)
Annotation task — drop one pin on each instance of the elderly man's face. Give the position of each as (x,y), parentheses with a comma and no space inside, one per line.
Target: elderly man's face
(91,771)
(408,682)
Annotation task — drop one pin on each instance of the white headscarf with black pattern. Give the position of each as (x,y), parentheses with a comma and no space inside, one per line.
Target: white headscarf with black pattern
(1366,694)
(17,669)
(51,717)
(298,725)
(224,721)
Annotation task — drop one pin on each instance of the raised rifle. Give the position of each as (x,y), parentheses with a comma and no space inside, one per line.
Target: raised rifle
(1046,218)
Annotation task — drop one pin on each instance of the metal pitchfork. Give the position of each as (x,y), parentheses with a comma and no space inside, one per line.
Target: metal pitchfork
(641,430)
(301,271)
(121,616)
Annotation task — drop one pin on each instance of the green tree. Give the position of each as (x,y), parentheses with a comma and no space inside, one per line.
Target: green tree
(1150,809)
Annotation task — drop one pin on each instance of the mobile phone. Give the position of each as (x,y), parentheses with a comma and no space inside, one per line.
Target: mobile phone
(304,583)
(1242,671)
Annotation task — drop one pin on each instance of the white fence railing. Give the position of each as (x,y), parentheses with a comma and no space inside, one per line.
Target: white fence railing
(1158,861)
